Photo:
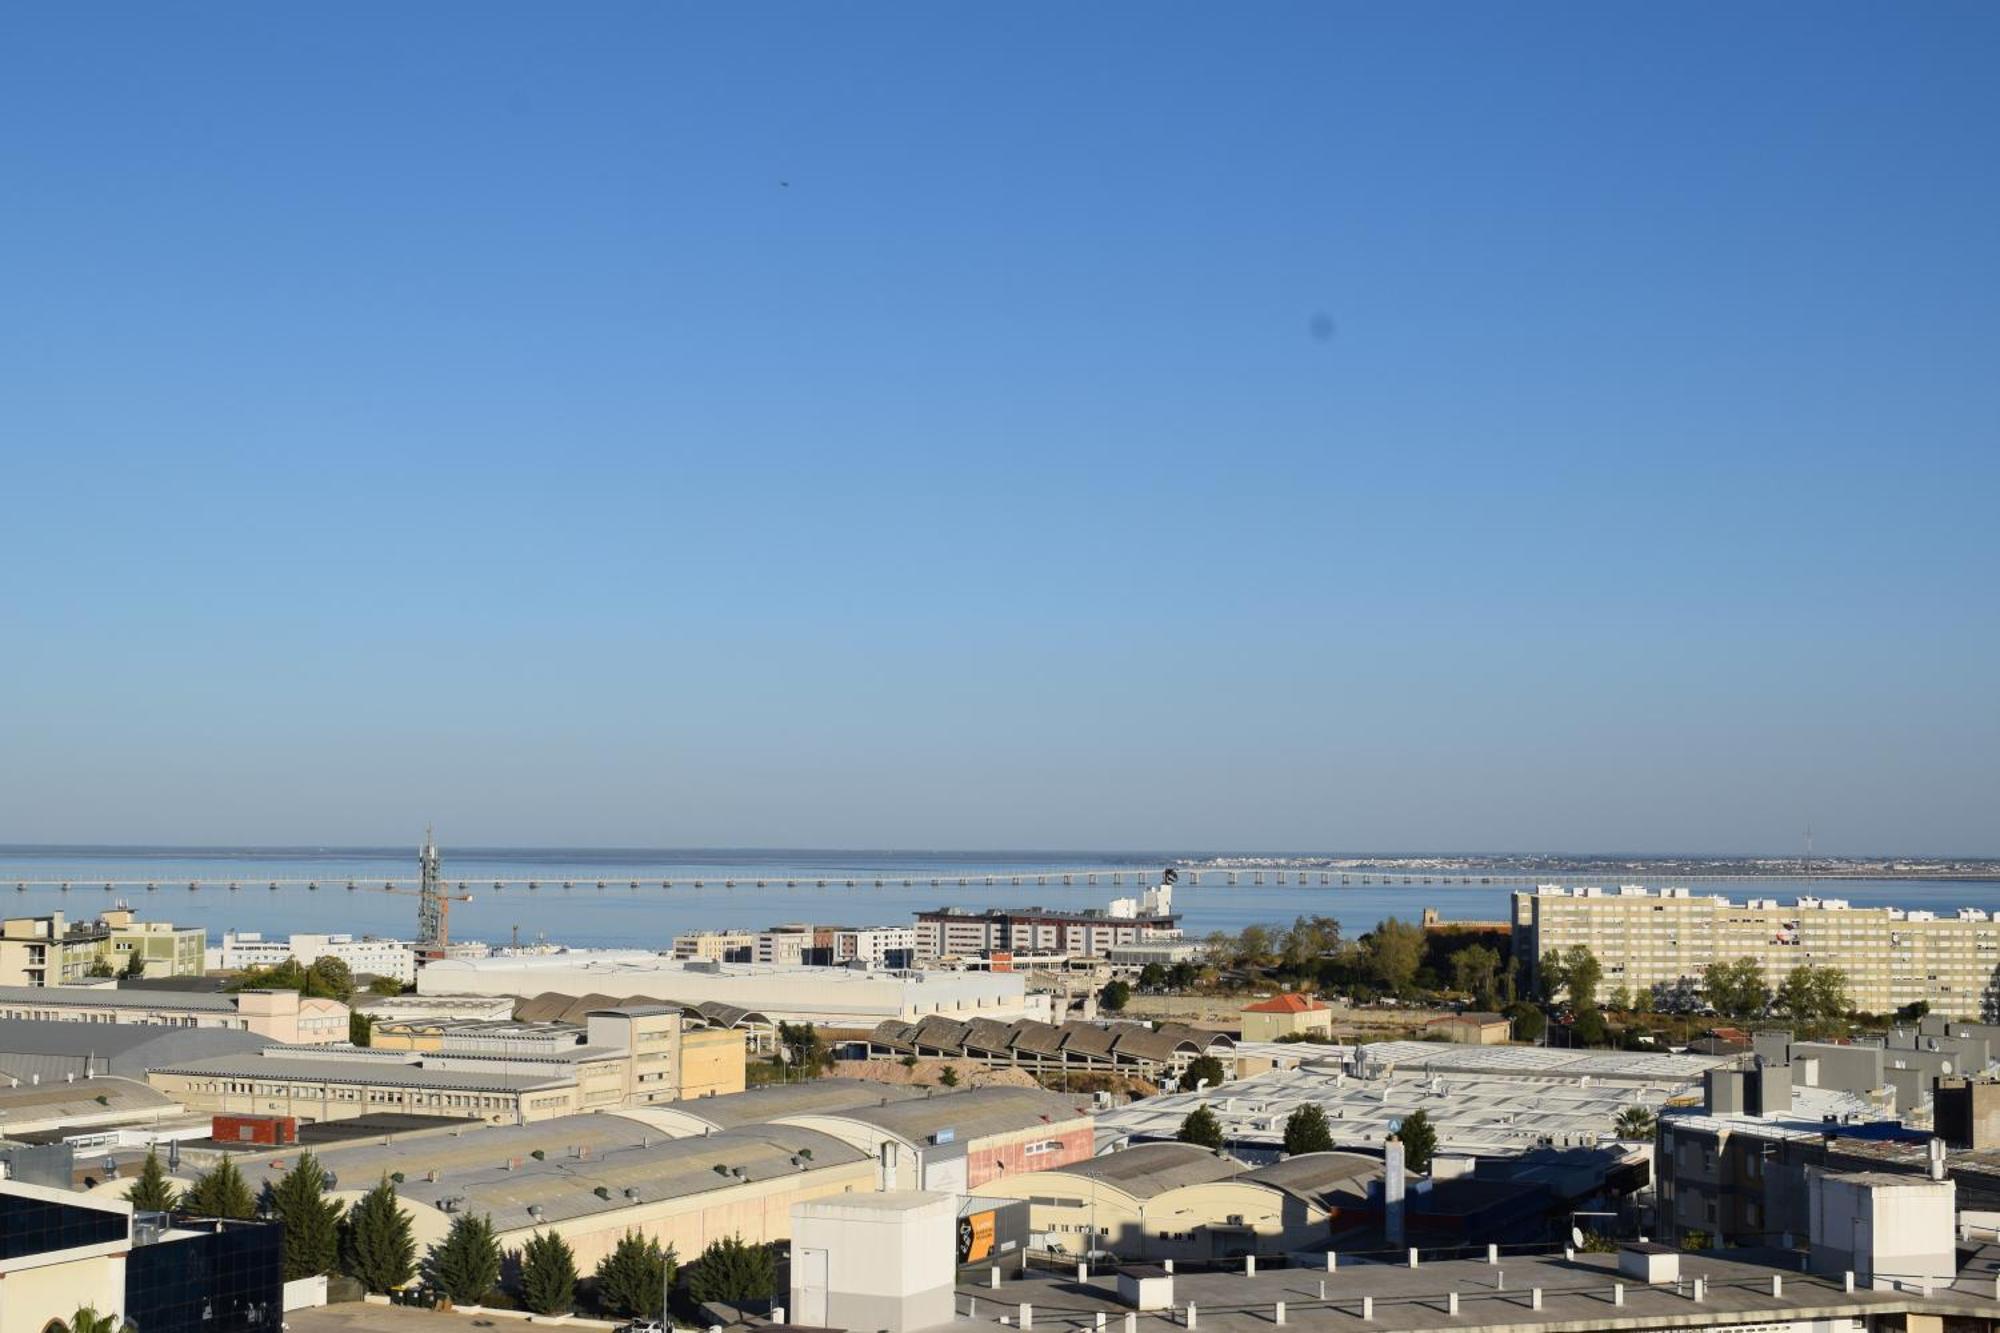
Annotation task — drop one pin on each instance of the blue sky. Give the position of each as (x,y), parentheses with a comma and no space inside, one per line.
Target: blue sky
(1315,426)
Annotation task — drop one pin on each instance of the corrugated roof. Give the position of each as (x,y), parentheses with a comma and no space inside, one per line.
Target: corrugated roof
(1324,1179)
(760,1106)
(365,1073)
(491,1169)
(106,997)
(1149,1169)
(52,1048)
(975,1113)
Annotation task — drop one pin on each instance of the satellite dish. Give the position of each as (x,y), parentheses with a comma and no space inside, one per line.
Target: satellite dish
(1576,1237)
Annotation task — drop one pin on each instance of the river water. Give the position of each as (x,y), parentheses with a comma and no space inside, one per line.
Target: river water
(649,917)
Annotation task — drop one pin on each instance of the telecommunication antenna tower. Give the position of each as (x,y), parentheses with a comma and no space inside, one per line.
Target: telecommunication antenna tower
(433,908)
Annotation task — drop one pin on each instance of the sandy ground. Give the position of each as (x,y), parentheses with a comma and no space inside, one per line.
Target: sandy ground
(929,1073)
(1224,1013)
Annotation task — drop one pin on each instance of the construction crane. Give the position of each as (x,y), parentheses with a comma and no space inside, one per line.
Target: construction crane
(434,902)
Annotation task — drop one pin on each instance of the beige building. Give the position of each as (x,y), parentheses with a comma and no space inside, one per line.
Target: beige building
(54,951)
(502,1073)
(328,1088)
(717,946)
(1891,957)
(592,1178)
(1288,1015)
(1180,1201)
(280,1015)
(1471,1029)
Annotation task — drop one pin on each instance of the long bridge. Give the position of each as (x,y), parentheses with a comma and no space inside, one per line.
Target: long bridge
(1096,877)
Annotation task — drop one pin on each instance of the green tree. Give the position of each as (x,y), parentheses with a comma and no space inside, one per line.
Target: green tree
(633,1279)
(311,1220)
(1618,1000)
(1635,1121)
(1736,989)
(378,1243)
(1310,939)
(1583,973)
(135,966)
(731,1272)
(948,1076)
(1475,969)
(221,1192)
(465,1265)
(152,1192)
(806,1048)
(548,1274)
(1392,952)
(1203,1068)
(1152,976)
(99,968)
(1913,1011)
(1419,1139)
(1115,996)
(1813,994)
(1201,1127)
(360,1029)
(329,978)
(1589,1028)
(384,986)
(1306,1130)
(1254,946)
(1529,1021)
(1182,976)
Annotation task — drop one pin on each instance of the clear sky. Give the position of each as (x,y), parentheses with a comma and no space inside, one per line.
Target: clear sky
(1091,426)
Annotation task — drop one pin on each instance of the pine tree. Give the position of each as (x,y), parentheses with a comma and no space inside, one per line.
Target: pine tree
(465,1265)
(731,1272)
(1306,1130)
(378,1245)
(633,1279)
(221,1192)
(1419,1141)
(1202,1127)
(152,1192)
(548,1274)
(312,1221)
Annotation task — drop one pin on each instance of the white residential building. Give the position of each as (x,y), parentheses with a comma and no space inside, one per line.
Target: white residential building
(242,949)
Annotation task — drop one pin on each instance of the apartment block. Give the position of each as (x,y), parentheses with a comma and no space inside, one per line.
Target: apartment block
(55,951)
(1891,956)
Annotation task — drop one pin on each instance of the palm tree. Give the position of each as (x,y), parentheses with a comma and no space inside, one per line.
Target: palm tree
(87,1320)
(1634,1122)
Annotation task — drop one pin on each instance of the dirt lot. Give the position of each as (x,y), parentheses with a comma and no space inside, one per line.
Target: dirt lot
(929,1073)
(367,1317)
(1224,1013)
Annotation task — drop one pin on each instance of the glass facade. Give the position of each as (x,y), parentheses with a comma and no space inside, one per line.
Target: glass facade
(226,1281)
(35,1226)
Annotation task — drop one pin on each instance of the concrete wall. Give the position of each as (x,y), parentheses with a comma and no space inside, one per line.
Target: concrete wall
(1884,1230)
(712,1062)
(37,1293)
(874,1262)
(1846,1068)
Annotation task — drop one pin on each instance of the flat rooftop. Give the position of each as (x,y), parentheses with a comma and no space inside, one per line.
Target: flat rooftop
(1487,1113)
(1577,1295)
